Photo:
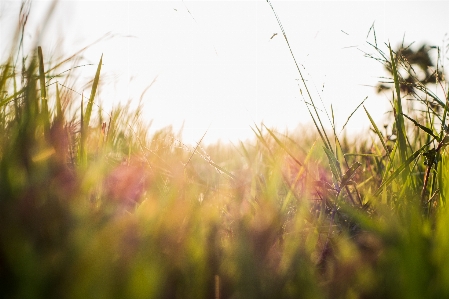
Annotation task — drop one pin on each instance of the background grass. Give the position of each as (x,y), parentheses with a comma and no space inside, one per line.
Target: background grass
(93,207)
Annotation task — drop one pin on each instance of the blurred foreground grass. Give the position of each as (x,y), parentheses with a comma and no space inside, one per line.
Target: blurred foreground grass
(93,207)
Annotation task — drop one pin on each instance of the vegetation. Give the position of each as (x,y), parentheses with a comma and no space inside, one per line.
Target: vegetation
(93,207)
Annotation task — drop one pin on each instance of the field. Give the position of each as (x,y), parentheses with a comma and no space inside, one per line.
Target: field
(91,206)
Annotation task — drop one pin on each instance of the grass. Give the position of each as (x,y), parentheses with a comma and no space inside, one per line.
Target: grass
(92,206)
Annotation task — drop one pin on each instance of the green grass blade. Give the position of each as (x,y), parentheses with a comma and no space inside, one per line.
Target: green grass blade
(334,165)
(443,122)
(82,154)
(12,97)
(245,152)
(357,108)
(349,173)
(424,128)
(361,155)
(44,102)
(4,77)
(291,186)
(92,95)
(283,146)
(443,176)
(42,75)
(325,140)
(303,81)
(262,140)
(222,169)
(376,129)
(400,169)
(59,115)
(399,113)
(390,161)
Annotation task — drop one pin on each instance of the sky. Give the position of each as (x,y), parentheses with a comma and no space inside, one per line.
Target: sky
(222,66)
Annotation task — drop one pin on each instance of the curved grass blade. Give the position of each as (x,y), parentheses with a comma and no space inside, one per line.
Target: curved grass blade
(59,115)
(82,133)
(361,155)
(290,193)
(346,178)
(283,146)
(399,114)
(4,77)
(443,176)
(376,129)
(262,140)
(44,103)
(424,128)
(12,97)
(334,165)
(357,108)
(303,81)
(92,95)
(221,169)
(443,122)
(400,169)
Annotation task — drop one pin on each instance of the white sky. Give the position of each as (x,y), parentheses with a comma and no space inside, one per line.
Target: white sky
(217,67)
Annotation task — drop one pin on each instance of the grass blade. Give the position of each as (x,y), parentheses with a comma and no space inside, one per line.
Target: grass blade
(334,165)
(82,133)
(283,146)
(92,95)
(399,114)
(424,128)
(357,108)
(376,129)
(349,173)
(400,169)
(44,104)
(59,115)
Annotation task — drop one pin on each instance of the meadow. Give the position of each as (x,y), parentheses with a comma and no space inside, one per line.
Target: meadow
(92,206)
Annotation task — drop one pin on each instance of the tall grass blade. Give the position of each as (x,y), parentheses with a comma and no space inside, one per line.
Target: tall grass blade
(377,131)
(349,173)
(59,115)
(82,153)
(399,113)
(424,128)
(302,78)
(290,193)
(92,95)
(44,102)
(262,140)
(282,145)
(443,122)
(443,167)
(4,77)
(443,176)
(334,165)
(390,161)
(5,101)
(400,169)
(357,108)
